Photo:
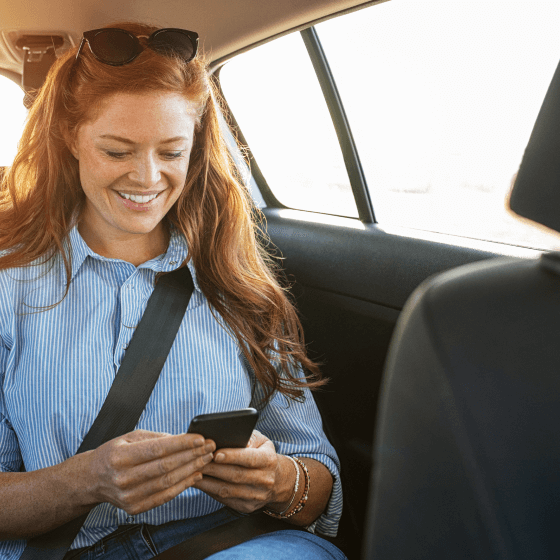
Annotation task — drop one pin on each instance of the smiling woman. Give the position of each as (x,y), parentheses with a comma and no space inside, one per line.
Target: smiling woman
(131,183)
(122,176)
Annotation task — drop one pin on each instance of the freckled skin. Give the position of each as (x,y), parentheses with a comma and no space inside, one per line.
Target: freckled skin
(147,165)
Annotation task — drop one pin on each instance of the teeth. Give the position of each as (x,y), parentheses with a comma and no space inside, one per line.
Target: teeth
(137,198)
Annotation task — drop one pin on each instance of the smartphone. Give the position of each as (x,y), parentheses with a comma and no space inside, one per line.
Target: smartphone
(226,429)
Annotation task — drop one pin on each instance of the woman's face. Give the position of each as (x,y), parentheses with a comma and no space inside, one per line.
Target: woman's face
(133,161)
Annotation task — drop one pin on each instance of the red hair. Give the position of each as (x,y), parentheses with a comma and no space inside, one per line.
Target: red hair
(41,196)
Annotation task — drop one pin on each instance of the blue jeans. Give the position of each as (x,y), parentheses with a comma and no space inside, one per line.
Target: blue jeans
(140,542)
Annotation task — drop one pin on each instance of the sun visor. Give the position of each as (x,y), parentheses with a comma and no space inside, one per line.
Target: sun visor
(536,191)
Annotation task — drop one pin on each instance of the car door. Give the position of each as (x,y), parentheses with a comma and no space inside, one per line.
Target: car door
(356,217)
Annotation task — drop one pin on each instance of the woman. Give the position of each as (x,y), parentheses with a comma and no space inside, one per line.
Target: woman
(122,174)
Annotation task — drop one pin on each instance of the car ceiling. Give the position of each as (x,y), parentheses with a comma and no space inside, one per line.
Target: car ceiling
(225,26)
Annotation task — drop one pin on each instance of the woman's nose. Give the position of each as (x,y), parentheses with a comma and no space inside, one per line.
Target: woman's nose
(146,170)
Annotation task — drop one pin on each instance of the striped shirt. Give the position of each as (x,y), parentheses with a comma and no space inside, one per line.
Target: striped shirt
(57,363)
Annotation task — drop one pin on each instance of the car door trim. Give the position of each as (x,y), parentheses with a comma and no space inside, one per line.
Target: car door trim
(341,125)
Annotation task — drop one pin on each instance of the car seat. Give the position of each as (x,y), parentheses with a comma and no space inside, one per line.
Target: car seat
(467,447)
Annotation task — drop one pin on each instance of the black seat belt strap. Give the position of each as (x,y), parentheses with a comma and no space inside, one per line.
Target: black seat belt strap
(130,391)
(225,536)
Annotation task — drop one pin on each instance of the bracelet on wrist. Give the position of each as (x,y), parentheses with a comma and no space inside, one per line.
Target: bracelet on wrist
(296,488)
(286,514)
(294,494)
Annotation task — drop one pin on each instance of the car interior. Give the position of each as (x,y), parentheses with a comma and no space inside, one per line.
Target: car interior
(471,472)
(349,270)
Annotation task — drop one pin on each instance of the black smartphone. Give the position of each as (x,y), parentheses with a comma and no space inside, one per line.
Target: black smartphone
(226,429)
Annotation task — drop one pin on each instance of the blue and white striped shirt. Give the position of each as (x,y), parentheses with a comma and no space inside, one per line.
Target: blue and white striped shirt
(57,365)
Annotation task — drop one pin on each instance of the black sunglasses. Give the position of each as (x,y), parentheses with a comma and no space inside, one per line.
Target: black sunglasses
(117,47)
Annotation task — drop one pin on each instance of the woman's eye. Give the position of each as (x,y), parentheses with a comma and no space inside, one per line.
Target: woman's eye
(116,155)
(166,155)
(172,155)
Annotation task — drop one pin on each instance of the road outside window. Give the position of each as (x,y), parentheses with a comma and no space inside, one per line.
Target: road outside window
(12,116)
(442,97)
(277,101)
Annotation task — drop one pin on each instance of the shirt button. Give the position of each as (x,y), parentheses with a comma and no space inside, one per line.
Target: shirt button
(130,519)
(173,262)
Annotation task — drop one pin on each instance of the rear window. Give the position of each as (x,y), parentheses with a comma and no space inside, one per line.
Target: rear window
(441,97)
(12,116)
(277,100)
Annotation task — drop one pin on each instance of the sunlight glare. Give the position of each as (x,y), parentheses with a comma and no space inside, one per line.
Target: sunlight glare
(12,117)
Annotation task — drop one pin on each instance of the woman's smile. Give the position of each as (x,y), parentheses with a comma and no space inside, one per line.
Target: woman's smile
(138,202)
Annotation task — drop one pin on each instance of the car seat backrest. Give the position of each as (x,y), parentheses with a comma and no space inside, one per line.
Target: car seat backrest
(467,448)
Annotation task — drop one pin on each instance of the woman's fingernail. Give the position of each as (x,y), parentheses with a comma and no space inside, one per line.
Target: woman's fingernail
(209,447)
(219,457)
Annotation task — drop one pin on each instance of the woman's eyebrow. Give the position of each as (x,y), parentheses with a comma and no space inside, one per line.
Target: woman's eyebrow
(127,141)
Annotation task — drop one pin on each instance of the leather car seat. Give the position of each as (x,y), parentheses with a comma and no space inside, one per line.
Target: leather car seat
(467,448)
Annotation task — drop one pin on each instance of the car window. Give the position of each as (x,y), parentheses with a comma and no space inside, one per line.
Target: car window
(241,163)
(442,97)
(12,116)
(277,101)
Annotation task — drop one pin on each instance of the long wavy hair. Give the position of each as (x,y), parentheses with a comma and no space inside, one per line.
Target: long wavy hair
(41,195)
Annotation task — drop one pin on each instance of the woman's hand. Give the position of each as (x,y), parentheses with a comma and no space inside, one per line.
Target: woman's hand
(250,478)
(142,470)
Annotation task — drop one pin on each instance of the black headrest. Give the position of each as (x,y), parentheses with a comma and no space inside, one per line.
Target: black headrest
(536,191)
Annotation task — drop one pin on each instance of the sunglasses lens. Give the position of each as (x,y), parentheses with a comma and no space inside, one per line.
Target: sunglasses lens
(170,42)
(114,46)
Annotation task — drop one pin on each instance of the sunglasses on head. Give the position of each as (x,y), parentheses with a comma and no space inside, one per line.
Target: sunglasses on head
(117,47)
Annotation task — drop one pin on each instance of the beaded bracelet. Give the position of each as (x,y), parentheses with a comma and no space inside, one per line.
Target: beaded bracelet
(302,501)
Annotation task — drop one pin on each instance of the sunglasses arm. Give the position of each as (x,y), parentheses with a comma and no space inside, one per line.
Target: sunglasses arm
(81,47)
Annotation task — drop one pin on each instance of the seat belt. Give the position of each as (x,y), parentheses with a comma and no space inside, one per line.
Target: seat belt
(225,536)
(130,391)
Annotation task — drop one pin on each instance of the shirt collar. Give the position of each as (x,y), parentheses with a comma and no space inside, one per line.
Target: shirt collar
(173,258)
(79,250)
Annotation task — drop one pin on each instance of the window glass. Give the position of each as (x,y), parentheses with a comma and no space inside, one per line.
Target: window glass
(12,116)
(240,162)
(442,97)
(276,99)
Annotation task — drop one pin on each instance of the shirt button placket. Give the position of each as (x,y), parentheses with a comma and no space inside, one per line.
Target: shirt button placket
(127,305)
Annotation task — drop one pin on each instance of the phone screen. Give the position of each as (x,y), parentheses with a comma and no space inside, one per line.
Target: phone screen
(226,429)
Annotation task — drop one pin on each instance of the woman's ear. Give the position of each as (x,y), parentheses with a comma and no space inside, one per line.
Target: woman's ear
(71,145)
(70,141)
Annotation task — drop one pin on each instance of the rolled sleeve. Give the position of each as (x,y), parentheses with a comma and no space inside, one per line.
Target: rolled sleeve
(296,429)
(10,455)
